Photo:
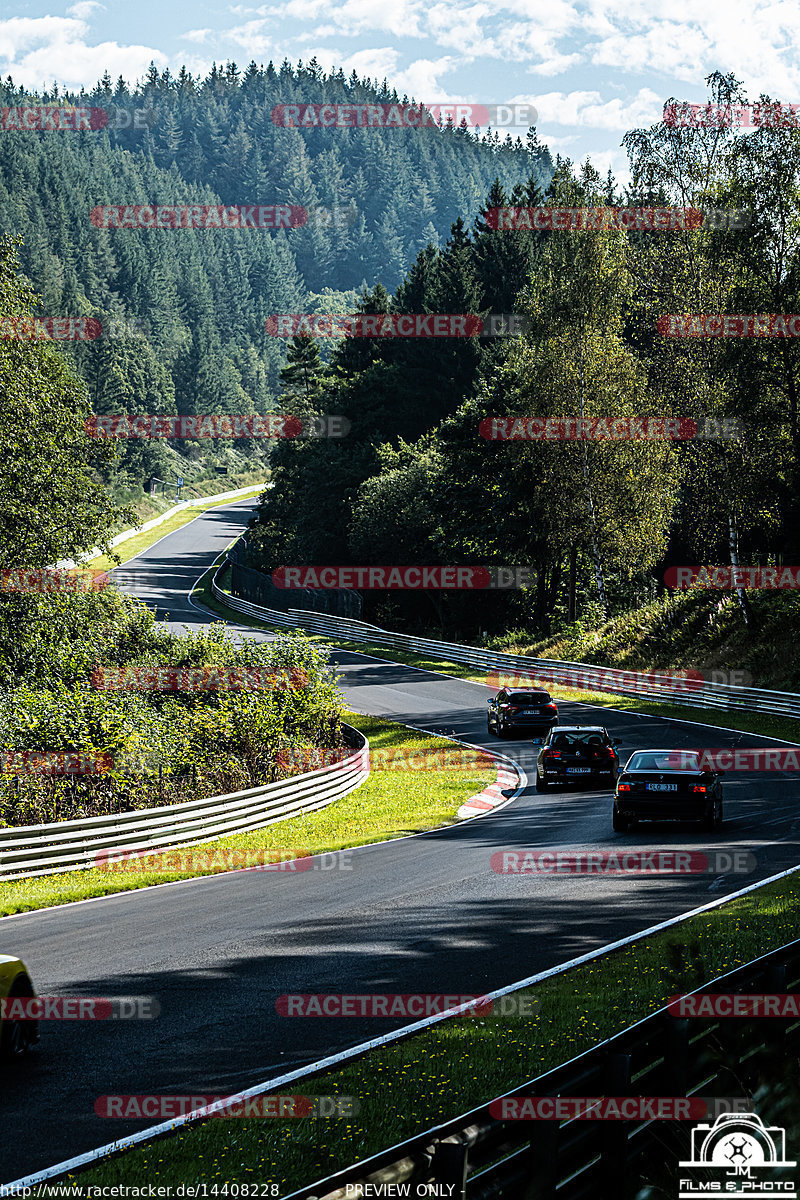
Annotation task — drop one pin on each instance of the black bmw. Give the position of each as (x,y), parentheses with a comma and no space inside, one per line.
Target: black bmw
(512,709)
(667,785)
(574,754)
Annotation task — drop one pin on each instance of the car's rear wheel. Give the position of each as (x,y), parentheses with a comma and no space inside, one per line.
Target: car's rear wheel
(713,817)
(17,1037)
(619,823)
(502,732)
(541,784)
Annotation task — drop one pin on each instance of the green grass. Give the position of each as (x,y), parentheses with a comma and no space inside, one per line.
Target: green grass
(784,728)
(389,804)
(434,1076)
(697,629)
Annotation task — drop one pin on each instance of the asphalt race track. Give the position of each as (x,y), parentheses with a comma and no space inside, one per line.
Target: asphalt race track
(424,914)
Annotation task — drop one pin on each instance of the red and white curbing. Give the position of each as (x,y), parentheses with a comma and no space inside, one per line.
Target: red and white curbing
(508,778)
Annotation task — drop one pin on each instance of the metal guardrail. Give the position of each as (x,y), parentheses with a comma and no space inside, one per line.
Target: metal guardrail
(521,669)
(480,1157)
(311,1071)
(30,850)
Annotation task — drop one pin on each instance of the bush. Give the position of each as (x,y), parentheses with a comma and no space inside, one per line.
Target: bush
(141,748)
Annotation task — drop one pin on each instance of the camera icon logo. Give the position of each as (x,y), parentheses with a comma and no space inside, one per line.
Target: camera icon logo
(739,1142)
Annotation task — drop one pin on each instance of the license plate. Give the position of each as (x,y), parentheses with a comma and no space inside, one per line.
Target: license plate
(579,770)
(529,712)
(662,787)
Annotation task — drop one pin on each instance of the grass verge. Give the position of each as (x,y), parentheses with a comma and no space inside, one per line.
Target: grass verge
(784,728)
(389,804)
(143,541)
(446,1070)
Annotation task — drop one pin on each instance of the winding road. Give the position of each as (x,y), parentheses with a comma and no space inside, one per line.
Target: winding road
(422,914)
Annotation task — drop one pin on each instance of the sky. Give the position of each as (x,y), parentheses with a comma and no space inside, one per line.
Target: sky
(591,72)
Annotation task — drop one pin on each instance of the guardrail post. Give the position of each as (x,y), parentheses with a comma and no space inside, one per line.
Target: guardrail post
(542,1160)
(774,1030)
(676,1056)
(450,1161)
(614,1152)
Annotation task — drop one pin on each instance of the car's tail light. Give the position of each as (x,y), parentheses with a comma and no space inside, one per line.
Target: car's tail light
(550,708)
(623,787)
(697,787)
(606,752)
(552,754)
(513,708)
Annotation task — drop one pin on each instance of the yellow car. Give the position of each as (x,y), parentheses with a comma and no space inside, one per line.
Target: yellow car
(16,1036)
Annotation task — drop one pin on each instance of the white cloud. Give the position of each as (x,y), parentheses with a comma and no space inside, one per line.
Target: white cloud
(37,50)
(252,37)
(556,65)
(197,35)
(589,110)
(84,8)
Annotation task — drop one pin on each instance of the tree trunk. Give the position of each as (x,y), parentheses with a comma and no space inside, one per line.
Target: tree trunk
(733,546)
(596,557)
(572,611)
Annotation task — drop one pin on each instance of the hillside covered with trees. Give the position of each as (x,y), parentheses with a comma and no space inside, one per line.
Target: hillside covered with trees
(184,311)
(598,521)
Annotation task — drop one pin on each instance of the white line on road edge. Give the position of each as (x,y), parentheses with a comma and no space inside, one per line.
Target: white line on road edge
(154,1131)
(208,501)
(133,893)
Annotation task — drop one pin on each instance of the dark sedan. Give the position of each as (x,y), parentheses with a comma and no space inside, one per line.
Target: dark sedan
(577,754)
(510,710)
(667,785)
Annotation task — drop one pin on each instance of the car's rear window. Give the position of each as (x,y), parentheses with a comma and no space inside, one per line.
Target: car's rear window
(665,760)
(575,741)
(530,698)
